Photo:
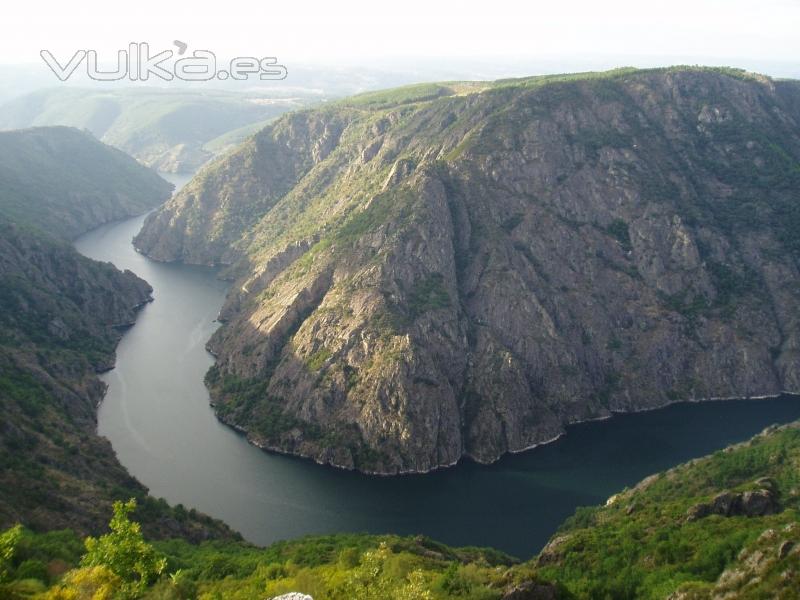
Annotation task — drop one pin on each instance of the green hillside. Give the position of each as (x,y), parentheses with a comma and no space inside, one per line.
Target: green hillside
(63,181)
(721,526)
(61,316)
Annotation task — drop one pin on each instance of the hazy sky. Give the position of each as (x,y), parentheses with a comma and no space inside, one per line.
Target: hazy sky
(356,31)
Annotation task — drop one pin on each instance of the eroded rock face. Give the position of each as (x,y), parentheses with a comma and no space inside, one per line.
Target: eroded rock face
(752,503)
(219,205)
(464,276)
(532,591)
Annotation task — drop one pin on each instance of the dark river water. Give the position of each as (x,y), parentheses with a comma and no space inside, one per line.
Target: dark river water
(157,416)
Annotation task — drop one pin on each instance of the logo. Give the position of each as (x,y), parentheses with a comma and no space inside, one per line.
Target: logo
(136,63)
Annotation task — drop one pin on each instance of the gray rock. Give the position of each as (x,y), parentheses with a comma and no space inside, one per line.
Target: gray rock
(532,591)
(759,503)
(58,329)
(785,548)
(750,503)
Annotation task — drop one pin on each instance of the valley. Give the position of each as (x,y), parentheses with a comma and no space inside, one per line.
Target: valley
(530,339)
(156,414)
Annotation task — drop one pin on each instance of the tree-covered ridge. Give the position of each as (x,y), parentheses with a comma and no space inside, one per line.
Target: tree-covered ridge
(424,92)
(61,315)
(64,182)
(681,534)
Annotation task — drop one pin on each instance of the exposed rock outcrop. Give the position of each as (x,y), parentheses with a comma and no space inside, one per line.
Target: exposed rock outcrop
(752,503)
(766,568)
(532,591)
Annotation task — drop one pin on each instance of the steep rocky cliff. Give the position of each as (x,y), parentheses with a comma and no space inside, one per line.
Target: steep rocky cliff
(460,270)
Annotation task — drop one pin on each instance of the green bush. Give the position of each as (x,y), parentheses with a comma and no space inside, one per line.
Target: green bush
(124,552)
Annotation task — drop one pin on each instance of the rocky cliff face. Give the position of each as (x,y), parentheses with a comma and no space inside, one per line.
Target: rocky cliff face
(213,211)
(450,271)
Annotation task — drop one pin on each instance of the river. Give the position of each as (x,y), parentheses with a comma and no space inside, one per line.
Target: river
(157,416)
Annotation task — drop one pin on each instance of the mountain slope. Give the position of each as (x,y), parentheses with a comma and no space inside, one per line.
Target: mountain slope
(164,129)
(458,270)
(61,315)
(65,182)
(723,526)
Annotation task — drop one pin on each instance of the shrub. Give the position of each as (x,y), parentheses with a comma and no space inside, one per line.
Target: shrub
(124,552)
(8,547)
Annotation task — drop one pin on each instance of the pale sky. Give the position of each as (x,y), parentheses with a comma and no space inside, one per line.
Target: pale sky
(361,32)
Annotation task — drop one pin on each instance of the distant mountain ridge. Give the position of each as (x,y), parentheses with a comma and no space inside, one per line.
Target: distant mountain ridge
(168,130)
(461,269)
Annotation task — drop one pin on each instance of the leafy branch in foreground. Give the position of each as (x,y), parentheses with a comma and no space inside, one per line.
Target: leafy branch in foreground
(8,545)
(120,564)
(124,551)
